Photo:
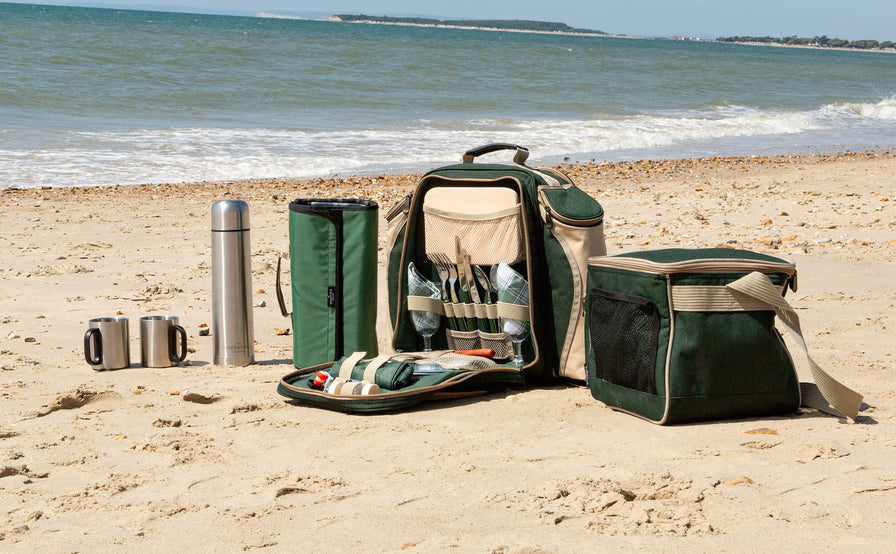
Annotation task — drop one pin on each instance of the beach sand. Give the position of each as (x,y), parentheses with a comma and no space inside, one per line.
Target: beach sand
(209,458)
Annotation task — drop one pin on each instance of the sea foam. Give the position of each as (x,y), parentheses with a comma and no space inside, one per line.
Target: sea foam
(77,158)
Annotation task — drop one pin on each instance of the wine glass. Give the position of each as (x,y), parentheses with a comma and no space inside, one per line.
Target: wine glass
(517,331)
(426,323)
(512,289)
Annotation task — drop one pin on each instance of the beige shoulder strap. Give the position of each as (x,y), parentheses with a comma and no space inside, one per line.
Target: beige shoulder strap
(345,370)
(373,365)
(827,394)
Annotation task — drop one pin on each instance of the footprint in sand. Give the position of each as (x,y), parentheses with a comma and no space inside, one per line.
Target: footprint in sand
(645,505)
(79,399)
(198,398)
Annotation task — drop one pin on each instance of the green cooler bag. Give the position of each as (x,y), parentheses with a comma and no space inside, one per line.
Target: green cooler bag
(333,249)
(683,335)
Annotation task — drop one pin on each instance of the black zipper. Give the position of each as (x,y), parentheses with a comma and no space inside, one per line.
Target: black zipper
(336,218)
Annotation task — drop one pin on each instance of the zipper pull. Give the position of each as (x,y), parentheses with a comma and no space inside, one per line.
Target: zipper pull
(545,210)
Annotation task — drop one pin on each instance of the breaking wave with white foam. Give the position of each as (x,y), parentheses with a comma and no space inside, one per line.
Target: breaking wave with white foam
(36,158)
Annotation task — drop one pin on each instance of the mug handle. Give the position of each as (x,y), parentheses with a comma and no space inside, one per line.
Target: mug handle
(98,348)
(172,344)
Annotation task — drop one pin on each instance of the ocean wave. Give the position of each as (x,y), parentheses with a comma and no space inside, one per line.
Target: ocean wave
(885,110)
(60,158)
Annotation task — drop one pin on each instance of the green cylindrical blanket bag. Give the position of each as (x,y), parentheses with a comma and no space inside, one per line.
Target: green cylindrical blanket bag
(333,249)
(682,335)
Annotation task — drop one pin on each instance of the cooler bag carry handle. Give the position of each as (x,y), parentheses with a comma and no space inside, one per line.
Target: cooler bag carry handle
(522,153)
(827,394)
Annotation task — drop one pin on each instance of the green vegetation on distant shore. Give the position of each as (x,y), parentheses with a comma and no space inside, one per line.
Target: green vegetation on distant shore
(822,41)
(503,24)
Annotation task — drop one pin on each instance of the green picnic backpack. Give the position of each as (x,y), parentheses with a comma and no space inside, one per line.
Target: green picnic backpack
(535,220)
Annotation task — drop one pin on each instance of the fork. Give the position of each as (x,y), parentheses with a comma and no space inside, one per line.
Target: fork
(444,274)
(452,281)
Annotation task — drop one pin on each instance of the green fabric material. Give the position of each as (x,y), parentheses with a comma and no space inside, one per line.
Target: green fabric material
(672,255)
(392,375)
(573,203)
(360,229)
(719,279)
(720,365)
(315,269)
(392,271)
(561,287)
(726,365)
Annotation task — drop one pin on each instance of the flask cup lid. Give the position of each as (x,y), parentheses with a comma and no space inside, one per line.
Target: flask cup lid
(230,215)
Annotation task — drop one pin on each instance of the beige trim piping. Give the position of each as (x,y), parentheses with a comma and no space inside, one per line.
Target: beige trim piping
(669,351)
(578,291)
(505,212)
(709,265)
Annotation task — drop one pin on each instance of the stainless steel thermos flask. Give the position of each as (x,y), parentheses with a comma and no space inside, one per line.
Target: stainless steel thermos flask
(232,325)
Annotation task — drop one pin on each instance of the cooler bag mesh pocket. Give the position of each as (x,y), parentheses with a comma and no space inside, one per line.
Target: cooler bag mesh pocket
(624,333)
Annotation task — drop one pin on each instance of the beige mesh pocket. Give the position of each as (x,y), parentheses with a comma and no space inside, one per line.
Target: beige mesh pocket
(489,238)
(474,340)
(463,340)
(498,342)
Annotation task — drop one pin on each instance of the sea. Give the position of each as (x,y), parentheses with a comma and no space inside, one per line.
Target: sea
(121,97)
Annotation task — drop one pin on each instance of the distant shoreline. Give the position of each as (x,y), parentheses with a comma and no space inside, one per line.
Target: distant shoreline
(511,25)
(494,29)
(807,46)
(336,19)
(608,35)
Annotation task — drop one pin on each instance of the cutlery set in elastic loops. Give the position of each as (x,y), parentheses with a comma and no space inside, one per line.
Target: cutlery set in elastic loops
(470,305)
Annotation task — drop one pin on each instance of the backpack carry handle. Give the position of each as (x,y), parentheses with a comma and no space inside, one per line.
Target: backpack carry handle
(522,153)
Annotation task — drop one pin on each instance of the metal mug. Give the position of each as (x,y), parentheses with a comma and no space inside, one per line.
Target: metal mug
(106,343)
(158,341)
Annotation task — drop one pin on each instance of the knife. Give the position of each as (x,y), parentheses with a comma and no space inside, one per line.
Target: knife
(464,282)
(481,322)
(474,289)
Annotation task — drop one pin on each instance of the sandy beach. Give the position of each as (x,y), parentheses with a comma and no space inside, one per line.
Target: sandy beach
(208,458)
